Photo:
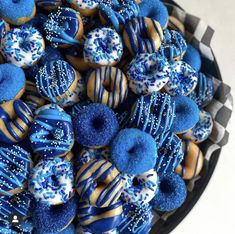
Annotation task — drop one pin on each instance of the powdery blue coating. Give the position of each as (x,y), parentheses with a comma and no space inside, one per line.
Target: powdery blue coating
(68,230)
(12,80)
(50,54)
(193,57)
(95,125)
(172,192)
(186,114)
(133,151)
(154,9)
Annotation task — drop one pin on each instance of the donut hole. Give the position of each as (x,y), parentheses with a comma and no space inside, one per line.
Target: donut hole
(98,123)
(54,180)
(100,184)
(165,186)
(135,182)
(144,34)
(107,87)
(134,149)
(24,44)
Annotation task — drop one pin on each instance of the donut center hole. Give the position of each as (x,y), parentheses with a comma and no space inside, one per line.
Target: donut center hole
(165,187)
(134,149)
(54,179)
(98,123)
(135,182)
(15,1)
(100,184)
(107,87)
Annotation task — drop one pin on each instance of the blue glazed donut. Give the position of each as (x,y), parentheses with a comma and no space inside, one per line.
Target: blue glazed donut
(193,57)
(51,181)
(153,114)
(15,167)
(148,73)
(15,121)
(22,46)
(64,27)
(51,133)
(95,125)
(133,151)
(172,192)
(142,35)
(50,54)
(12,79)
(186,114)
(17,12)
(118,12)
(48,5)
(103,47)
(154,9)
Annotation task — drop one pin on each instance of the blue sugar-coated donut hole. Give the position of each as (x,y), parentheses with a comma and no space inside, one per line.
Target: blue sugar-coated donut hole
(12,80)
(133,151)
(186,114)
(172,192)
(193,58)
(95,125)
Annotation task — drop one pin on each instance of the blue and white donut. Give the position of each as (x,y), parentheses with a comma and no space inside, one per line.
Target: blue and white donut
(22,46)
(48,5)
(51,181)
(140,189)
(51,133)
(103,47)
(148,73)
(183,80)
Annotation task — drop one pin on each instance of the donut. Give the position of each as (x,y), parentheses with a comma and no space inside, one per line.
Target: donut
(64,27)
(148,73)
(192,162)
(175,24)
(83,230)
(50,54)
(17,12)
(139,189)
(133,151)
(202,130)
(15,167)
(142,35)
(155,10)
(48,5)
(186,114)
(15,121)
(103,47)
(153,114)
(100,220)
(4,27)
(193,57)
(172,192)
(99,182)
(204,91)
(51,181)
(70,229)
(183,80)
(117,13)
(22,46)
(107,85)
(173,46)
(51,133)
(12,79)
(24,227)
(56,80)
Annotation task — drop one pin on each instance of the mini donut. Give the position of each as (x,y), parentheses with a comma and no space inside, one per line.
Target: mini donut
(56,80)
(186,114)
(142,35)
(153,114)
(64,27)
(12,80)
(204,91)
(22,46)
(17,12)
(48,5)
(107,85)
(50,54)
(118,12)
(155,10)
(192,163)
(183,80)
(100,220)
(133,151)
(51,181)
(15,121)
(173,46)
(15,168)
(170,153)
(4,27)
(175,24)
(148,73)
(51,133)
(99,182)
(172,192)
(140,189)
(202,130)
(103,47)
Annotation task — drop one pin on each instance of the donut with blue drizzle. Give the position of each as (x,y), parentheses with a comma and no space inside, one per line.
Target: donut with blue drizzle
(15,165)
(48,5)
(193,57)
(51,133)
(64,27)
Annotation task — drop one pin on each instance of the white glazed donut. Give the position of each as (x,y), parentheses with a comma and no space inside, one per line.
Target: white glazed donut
(143,191)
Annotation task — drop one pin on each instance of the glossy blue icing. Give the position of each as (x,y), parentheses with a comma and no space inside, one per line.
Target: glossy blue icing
(193,57)
(48,4)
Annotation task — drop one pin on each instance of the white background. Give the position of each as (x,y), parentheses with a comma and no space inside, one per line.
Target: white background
(215,211)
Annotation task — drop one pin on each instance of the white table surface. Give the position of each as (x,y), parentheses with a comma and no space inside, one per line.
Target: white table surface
(214,212)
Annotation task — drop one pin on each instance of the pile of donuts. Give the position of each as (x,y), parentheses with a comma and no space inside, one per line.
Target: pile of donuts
(101,113)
